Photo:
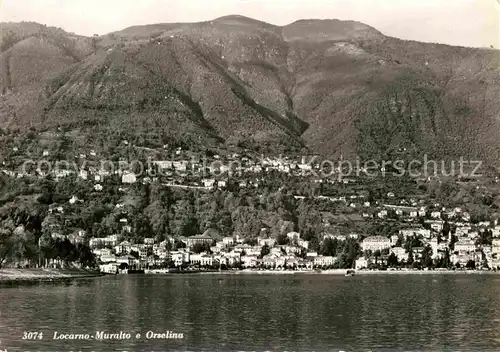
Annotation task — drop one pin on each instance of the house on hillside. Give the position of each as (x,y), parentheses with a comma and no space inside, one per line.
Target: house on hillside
(129,177)
(199,239)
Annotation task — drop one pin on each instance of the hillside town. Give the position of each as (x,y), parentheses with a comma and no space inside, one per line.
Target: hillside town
(338,218)
(464,249)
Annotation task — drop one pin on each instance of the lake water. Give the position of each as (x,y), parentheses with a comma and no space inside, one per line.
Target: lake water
(259,313)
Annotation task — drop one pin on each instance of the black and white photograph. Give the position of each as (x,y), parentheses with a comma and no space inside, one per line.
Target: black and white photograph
(249,175)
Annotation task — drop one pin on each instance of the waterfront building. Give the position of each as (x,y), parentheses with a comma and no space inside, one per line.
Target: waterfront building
(322,260)
(180,257)
(400,253)
(495,252)
(375,243)
(108,268)
(126,259)
(465,246)
(202,259)
(361,263)
(249,261)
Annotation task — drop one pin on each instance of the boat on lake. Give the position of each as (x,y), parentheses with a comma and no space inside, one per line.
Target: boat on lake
(350,272)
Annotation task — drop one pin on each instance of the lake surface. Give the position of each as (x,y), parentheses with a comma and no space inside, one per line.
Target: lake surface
(259,313)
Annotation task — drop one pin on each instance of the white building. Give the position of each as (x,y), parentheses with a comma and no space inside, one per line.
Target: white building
(400,253)
(129,177)
(496,231)
(228,241)
(149,240)
(249,261)
(382,214)
(322,260)
(293,236)
(416,232)
(208,183)
(436,225)
(201,259)
(436,215)
(83,174)
(374,243)
(73,200)
(180,257)
(269,241)
(495,252)
(303,244)
(394,240)
(109,268)
(465,246)
(361,263)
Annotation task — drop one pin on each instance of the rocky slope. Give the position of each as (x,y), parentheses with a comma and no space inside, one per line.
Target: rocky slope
(327,86)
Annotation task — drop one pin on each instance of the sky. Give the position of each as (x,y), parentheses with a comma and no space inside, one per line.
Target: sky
(473,23)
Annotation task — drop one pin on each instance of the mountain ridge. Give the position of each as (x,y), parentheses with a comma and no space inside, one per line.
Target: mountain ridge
(319,86)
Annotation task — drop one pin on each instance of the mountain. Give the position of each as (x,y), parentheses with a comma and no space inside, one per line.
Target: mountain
(326,86)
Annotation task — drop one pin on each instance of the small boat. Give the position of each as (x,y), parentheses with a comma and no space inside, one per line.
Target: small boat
(350,272)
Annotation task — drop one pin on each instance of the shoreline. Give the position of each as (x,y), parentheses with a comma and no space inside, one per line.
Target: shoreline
(10,277)
(14,277)
(343,272)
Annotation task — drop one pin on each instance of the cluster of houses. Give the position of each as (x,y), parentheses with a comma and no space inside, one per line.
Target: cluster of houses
(227,252)
(204,173)
(234,252)
(464,249)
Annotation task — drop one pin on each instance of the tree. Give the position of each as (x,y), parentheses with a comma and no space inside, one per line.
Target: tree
(329,247)
(410,257)
(179,244)
(392,261)
(185,222)
(377,255)
(9,39)
(265,250)
(454,239)
(471,264)
(251,241)
(446,229)
(427,257)
(201,247)
(86,257)
(7,239)
(158,217)
(445,261)
(282,239)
